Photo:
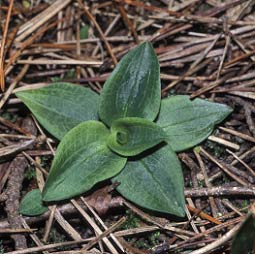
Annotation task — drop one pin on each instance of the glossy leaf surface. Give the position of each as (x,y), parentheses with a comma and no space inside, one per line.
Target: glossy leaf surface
(244,240)
(131,135)
(187,122)
(32,205)
(154,182)
(133,89)
(61,106)
(82,160)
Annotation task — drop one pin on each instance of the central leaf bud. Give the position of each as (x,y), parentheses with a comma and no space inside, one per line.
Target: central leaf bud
(122,137)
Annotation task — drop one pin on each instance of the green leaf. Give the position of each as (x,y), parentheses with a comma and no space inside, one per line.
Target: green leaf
(133,89)
(31,204)
(154,182)
(61,106)
(84,32)
(244,240)
(82,160)
(187,122)
(132,135)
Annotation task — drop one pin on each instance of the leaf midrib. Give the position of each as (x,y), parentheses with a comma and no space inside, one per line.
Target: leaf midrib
(185,121)
(75,165)
(158,183)
(53,111)
(134,85)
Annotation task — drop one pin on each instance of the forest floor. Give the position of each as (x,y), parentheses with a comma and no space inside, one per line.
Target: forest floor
(206,49)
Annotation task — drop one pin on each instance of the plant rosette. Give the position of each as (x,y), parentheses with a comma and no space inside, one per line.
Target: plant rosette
(127,134)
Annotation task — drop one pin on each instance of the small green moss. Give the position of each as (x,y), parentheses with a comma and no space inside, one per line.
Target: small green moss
(147,243)
(30,173)
(245,203)
(56,237)
(84,32)
(154,238)
(132,221)
(215,149)
(201,183)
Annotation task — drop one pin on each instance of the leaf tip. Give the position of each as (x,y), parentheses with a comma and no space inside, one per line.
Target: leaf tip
(179,208)
(229,110)
(180,212)
(226,111)
(147,44)
(32,204)
(47,195)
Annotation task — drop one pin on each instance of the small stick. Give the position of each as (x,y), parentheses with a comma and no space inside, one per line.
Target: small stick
(242,162)
(2,50)
(93,20)
(220,191)
(127,21)
(33,24)
(238,134)
(16,230)
(105,233)
(224,142)
(207,183)
(103,225)
(211,85)
(149,7)
(25,44)
(191,222)
(224,168)
(227,203)
(227,43)
(60,62)
(209,231)
(34,237)
(47,247)
(242,156)
(223,239)
(14,126)
(193,66)
(108,30)
(78,44)
(203,215)
(14,83)
(94,225)
(181,233)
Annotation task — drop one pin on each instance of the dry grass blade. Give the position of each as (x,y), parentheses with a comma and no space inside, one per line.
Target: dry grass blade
(13,84)
(90,16)
(94,226)
(33,24)
(210,247)
(16,148)
(54,62)
(105,233)
(3,42)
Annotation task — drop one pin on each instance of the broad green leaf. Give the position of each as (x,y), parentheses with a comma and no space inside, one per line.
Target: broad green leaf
(61,106)
(187,122)
(132,135)
(82,160)
(133,89)
(244,240)
(31,204)
(154,182)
